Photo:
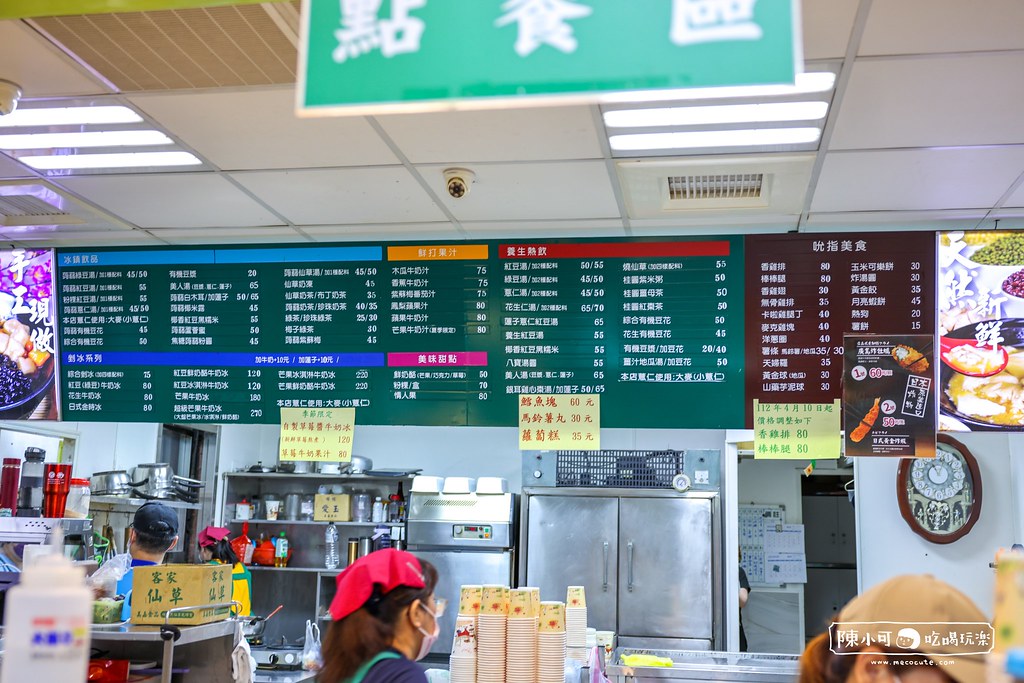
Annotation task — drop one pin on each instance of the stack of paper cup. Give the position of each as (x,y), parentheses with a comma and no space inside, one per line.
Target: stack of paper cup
(491,634)
(551,643)
(576,624)
(521,641)
(1008,620)
(462,663)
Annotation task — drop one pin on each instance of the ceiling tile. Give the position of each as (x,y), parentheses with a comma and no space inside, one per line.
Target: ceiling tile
(38,67)
(393,231)
(257,129)
(916,179)
(98,237)
(343,196)
(228,235)
(495,135)
(9,168)
(601,227)
(918,26)
(909,102)
(826,27)
(179,200)
(553,190)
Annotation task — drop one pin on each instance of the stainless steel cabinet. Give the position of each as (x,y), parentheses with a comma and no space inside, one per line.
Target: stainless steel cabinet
(650,561)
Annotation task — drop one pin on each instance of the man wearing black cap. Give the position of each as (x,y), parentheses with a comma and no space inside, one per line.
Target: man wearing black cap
(154,532)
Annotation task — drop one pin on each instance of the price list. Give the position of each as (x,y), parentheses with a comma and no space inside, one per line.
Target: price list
(804,293)
(657,323)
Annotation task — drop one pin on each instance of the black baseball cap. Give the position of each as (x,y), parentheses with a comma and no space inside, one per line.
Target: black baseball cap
(156,520)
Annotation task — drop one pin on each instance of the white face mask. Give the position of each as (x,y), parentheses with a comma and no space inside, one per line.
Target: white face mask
(428,638)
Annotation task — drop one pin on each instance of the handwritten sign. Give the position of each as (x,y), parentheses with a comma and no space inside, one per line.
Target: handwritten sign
(559,421)
(322,435)
(796,431)
(332,507)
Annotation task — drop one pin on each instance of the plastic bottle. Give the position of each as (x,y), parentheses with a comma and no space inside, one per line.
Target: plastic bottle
(377,512)
(281,551)
(401,504)
(47,620)
(332,557)
(392,511)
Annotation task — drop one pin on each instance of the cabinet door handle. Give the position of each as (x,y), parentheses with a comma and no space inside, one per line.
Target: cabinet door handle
(605,585)
(629,562)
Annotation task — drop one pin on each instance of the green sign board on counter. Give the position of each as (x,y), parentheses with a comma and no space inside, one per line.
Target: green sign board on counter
(797,431)
(416,334)
(436,54)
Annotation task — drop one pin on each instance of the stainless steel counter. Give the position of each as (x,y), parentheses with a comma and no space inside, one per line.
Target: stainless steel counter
(151,634)
(284,676)
(706,666)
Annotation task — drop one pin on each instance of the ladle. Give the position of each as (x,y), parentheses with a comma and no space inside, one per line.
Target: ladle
(947,344)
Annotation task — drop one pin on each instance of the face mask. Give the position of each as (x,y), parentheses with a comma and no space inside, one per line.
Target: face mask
(428,638)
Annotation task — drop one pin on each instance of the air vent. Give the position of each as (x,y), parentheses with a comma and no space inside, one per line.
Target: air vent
(33,204)
(704,187)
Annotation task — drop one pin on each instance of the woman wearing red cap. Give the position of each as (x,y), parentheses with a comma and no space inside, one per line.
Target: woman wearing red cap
(215,549)
(385,618)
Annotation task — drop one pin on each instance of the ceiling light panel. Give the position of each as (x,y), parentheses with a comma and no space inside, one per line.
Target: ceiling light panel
(106,138)
(730,113)
(761,137)
(69,116)
(134,160)
(806,84)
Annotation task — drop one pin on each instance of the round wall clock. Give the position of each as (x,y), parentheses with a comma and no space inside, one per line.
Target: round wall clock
(940,497)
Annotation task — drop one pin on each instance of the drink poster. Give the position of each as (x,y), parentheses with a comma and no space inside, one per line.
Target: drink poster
(889,395)
(981,329)
(28,361)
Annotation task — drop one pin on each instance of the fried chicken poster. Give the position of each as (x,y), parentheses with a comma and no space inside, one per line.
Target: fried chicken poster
(889,400)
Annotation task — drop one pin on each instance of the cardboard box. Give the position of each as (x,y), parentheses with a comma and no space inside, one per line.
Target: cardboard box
(157,589)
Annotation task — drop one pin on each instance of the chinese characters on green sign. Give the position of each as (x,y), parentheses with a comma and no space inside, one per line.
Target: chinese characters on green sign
(418,54)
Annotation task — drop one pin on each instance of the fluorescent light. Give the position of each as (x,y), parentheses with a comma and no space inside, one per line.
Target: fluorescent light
(69,116)
(731,113)
(714,138)
(806,83)
(107,138)
(124,160)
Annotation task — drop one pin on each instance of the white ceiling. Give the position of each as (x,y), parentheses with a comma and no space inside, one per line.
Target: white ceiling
(924,133)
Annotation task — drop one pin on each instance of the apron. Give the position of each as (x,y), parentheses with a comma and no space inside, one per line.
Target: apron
(360,674)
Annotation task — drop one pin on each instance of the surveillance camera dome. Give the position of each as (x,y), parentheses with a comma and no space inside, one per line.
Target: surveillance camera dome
(458,181)
(10,94)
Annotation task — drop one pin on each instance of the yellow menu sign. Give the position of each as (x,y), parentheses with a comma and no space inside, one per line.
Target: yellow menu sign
(559,421)
(323,435)
(332,507)
(796,431)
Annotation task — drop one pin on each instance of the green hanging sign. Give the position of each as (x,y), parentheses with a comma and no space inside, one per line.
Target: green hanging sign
(405,55)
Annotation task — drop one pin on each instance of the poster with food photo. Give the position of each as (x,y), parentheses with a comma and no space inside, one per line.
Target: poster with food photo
(889,395)
(28,336)
(981,331)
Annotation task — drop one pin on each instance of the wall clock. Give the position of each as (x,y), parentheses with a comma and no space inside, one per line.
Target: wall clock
(940,497)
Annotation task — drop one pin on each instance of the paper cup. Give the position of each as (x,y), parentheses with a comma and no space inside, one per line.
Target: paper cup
(464,643)
(575,597)
(520,604)
(494,600)
(552,617)
(470,598)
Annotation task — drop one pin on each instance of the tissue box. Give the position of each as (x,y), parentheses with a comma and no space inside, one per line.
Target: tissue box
(157,589)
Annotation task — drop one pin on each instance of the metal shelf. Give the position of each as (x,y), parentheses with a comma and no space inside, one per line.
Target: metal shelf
(151,634)
(308,523)
(132,504)
(306,570)
(317,476)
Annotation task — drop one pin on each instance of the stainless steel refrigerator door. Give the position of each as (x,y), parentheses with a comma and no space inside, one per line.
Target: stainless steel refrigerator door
(665,568)
(458,568)
(571,541)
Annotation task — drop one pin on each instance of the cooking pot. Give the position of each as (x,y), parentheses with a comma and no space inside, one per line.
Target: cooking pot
(154,479)
(111,483)
(295,467)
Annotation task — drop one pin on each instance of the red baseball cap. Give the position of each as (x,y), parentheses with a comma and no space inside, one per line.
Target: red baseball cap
(388,568)
(209,536)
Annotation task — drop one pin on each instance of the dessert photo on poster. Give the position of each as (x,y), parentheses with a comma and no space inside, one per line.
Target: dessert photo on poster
(981,331)
(28,336)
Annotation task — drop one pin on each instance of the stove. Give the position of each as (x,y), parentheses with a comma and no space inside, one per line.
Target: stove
(277,657)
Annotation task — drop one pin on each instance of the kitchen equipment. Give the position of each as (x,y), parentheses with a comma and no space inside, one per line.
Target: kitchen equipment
(254,627)
(259,468)
(56,485)
(111,483)
(459,485)
(30,491)
(361,507)
(330,468)
(278,655)
(360,464)
(491,485)
(307,507)
(295,467)
(697,667)
(627,546)
(292,507)
(272,506)
(9,480)
(365,546)
(78,499)
(427,484)
(353,550)
(154,480)
(469,538)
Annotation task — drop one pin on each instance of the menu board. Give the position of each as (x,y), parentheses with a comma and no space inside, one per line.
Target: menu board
(805,292)
(428,334)
(981,325)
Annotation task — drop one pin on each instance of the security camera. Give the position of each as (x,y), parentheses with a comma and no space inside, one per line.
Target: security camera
(10,93)
(457,181)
